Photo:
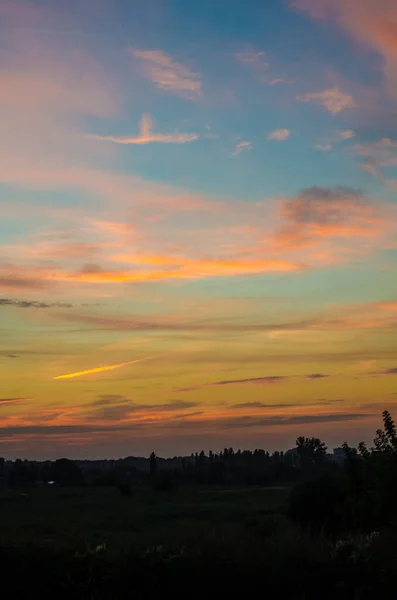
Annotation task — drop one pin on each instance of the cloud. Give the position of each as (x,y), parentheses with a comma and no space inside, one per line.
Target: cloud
(327,144)
(289,405)
(391,371)
(252,57)
(328,213)
(32,303)
(115,407)
(242,146)
(347,134)
(102,369)
(371,22)
(334,100)
(15,283)
(168,74)
(14,400)
(376,157)
(267,379)
(279,134)
(147,136)
(187,422)
(276,421)
(256,60)
(324,147)
(170,268)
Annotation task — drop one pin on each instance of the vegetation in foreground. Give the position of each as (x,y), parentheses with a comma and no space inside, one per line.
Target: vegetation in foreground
(334,536)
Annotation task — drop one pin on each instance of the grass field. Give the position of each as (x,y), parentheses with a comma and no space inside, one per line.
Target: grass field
(200,543)
(71,519)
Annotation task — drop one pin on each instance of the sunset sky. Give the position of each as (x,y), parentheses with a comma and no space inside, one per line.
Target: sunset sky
(198,224)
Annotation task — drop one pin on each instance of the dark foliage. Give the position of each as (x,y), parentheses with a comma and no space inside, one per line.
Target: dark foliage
(124,489)
(319,504)
(164,481)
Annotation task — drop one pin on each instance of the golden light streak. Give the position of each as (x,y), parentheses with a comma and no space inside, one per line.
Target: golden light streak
(105,368)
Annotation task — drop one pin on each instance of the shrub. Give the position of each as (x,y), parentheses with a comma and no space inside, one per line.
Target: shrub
(319,504)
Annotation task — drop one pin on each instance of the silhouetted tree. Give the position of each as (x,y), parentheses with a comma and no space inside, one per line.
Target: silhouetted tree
(65,472)
(312,452)
(153,464)
(318,504)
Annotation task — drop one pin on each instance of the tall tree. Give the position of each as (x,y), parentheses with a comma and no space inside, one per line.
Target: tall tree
(153,464)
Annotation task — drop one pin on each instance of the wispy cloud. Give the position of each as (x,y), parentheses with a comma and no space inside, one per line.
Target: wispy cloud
(282,405)
(347,134)
(334,100)
(70,431)
(390,371)
(242,146)
(377,157)
(115,407)
(267,379)
(148,136)
(168,74)
(279,135)
(102,369)
(257,61)
(327,144)
(14,400)
(276,421)
(32,303)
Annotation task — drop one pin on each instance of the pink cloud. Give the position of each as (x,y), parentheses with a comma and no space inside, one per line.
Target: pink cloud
(333,99)
(147,136)
(242,146)
(377,157)
(279,135)
(371,22)
(168,74)
(346,134)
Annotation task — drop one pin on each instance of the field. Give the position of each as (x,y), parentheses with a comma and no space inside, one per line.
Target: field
(74,519)
(94,543)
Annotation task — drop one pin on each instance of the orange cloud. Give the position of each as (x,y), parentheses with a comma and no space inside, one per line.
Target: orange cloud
(186,269)
(168,74)
(326,213)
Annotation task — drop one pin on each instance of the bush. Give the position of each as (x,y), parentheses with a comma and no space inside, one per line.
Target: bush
(164,482)
(124,489)
(319,504)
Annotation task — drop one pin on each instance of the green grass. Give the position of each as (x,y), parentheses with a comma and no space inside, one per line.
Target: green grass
(70,519)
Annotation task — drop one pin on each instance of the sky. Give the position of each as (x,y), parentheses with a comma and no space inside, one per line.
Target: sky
(198,224)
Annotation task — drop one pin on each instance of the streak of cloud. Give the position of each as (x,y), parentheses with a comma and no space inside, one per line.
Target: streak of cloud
(105,368)
(147,135)
(14,400)
(268,379)
(168,74)
(32,303)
